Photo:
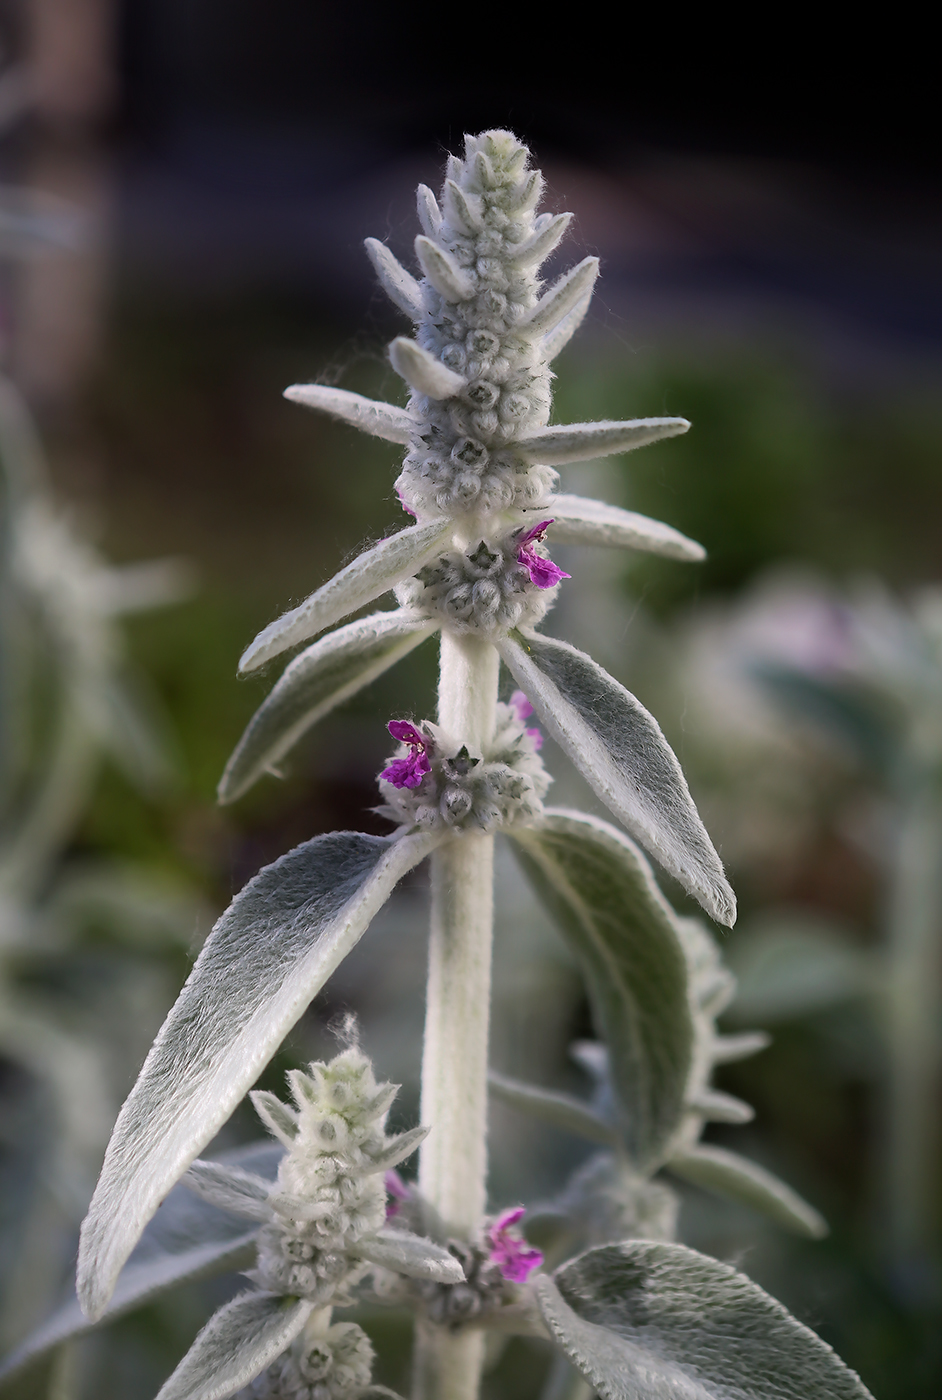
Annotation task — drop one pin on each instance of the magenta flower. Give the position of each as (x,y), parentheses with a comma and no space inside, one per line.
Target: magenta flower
(523,710)
(397,1189)
(543,572)
(408,772)
(509,1250)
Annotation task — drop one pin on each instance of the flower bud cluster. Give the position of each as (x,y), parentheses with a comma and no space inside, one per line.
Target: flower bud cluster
(454,789)
(330,1191)
(336,1365)
(460,460)
(488,589)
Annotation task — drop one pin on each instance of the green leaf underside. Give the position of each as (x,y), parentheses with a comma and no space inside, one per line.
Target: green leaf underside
(621,752)
(728,1174)
(580,520)
(370,575)
(646,1321)
(236,1345)
(186,1240)
(318,680)
(600,889)
(268,955)
(559,1110)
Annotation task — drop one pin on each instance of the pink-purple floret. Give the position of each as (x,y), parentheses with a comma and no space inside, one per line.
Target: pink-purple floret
(543,572)
(408,772)
(523,710)
(398,1191)
(509,1250)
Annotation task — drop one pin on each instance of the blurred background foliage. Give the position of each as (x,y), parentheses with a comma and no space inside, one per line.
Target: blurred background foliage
(771,271)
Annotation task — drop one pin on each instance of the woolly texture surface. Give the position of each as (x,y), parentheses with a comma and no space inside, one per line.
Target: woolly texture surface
(661,1322)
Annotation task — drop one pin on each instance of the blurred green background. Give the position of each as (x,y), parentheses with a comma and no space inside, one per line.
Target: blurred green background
(774,280)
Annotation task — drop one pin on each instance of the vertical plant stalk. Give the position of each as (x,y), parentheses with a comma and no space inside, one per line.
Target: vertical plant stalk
(913,1032)
(453,1166)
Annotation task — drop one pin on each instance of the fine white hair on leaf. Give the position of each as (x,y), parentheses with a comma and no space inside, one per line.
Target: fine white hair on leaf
(442,271)
(268,955)
(423,372)
(562,296)
(580,442)
(382,420)
(398,284)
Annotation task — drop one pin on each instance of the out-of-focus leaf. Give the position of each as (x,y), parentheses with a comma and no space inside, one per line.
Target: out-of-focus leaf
(370,575)
(737,1178)
(623,755)
(793,966)
(269,954)
(646,1321)
(560,1110)
(187,1239)
(852,712)
(236,1345)
(599,887)
(318,680)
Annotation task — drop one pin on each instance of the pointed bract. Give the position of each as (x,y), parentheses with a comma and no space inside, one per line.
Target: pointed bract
(382,420)
(580,442)
(579,520)
(423,372)
(442,271)
(563,296)
(398,284)
(370,575)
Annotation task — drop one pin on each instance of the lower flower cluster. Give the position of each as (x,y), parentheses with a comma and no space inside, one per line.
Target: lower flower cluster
(489,589)
(435,783)
(335,1365)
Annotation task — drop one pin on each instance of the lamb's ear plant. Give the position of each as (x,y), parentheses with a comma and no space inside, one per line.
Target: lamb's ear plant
(637,1314)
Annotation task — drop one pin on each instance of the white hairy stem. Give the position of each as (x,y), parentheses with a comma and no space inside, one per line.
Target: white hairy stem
(453,1165)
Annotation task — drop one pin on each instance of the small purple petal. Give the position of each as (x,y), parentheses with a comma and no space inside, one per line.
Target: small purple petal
(407,772)
(406,733)
(509,1250)
(537,736)
(397,1188)
(543,572)
(521,705)
(536,532)
(408,509)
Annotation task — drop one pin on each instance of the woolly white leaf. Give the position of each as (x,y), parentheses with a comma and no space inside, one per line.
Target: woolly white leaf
(726,1048)
(268,955)
(422,371)
(718,1107)
(560,1110)
(411,1255)
(230,1188)
(462,210)
(279,1118)
(619,748)
(599,888)
(442,271)
(373,573)
(236,1345)
(315,682)
(398,284)
(559,337)
(430,216)
(578,442)
(579,520)
(548,231)
(383,420)
(728,1174)
(562,296)
(646,1321)
(186,1240)
(401,1147)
